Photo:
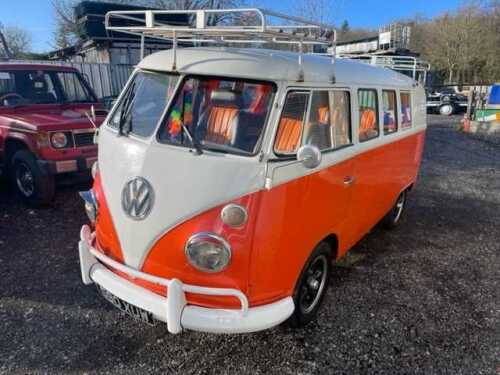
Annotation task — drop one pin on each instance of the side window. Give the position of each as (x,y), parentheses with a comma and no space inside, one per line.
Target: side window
(318,131)
(368,115)
(390,112)
(340,102)
(329,125)
(291,123)
(406,112)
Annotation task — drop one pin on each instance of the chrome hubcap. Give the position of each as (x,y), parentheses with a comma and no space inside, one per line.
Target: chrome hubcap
(399,207)
(25,181)
(446,110)
(312,288)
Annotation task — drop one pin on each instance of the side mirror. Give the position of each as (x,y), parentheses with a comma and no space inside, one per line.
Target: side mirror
(309,156)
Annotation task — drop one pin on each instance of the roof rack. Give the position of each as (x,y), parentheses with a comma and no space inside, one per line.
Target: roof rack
(411,65)
(222,26)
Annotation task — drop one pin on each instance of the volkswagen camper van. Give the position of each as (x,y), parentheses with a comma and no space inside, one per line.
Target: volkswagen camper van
(229,179)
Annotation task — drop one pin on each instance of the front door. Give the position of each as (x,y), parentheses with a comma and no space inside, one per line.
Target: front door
(321,196)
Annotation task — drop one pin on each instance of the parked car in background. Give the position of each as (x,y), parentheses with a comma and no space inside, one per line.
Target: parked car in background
(445,101)
(46,129)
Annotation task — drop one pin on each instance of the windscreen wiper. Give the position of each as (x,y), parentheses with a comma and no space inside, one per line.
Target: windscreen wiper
(193,141)
(126,108)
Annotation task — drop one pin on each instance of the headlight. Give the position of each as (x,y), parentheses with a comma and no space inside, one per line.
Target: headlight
(59,140)
(208,252)
(90,204)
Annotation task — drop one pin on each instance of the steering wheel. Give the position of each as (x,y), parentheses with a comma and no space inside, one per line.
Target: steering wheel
(10,95)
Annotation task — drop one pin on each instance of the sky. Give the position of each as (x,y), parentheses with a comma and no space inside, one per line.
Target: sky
(37,16)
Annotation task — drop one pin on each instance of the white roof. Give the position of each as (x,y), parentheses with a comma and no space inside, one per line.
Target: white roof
(273,65)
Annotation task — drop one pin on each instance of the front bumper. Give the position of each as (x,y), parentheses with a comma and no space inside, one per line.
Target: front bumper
(80,164)
(174,309)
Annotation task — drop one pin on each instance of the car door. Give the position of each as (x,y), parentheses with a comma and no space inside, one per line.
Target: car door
(376,169)
(301,206)
(320,197)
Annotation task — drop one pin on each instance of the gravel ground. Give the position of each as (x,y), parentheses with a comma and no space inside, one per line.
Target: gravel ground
(423,299)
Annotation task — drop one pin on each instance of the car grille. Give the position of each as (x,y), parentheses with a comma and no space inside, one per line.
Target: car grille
(84,139)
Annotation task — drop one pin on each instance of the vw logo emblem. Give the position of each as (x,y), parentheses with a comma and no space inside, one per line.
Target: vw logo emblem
(137,198)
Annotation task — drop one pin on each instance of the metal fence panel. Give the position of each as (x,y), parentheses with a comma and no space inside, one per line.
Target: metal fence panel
(106,79)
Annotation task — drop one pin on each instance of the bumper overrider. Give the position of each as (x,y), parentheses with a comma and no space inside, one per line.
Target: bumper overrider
(174,309)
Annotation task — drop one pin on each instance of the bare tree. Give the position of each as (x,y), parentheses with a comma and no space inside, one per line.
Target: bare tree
(18,41)
(316,10)
(465,44)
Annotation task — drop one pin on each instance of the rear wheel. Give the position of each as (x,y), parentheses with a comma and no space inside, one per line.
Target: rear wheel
(391,220)
(312,285)
(34,188)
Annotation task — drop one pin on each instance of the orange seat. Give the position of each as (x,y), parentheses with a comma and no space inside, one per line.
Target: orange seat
(367,123)
(323,115)
(288,137)
(219,127)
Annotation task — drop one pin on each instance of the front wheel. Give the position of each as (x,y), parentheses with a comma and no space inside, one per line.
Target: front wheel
(312,285)
(34,188)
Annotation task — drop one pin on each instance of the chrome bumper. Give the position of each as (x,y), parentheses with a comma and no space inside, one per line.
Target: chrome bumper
(174,310)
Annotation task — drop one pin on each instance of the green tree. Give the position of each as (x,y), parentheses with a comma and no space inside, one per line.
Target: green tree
(344,27)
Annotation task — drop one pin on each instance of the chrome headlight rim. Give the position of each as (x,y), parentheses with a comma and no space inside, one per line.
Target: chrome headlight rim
(208,237)
(55,143)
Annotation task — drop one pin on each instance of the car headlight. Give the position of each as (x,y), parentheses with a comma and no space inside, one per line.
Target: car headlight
(59,140)
(208,252)
(90,204)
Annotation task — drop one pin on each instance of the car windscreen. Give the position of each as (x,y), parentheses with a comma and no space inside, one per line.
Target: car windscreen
(25,87)
(143,103)
(74,89)
(218,114)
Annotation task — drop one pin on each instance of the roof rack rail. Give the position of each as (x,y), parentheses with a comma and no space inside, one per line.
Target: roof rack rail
(411,65)
(246,26)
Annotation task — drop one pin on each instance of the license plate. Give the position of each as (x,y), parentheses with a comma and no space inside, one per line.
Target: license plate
(132,310)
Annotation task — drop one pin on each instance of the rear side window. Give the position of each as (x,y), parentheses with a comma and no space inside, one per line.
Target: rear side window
(390,112)
(291,123)
(406,112)
(368,115)
(329,124)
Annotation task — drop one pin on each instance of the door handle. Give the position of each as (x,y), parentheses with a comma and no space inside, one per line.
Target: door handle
(348,180)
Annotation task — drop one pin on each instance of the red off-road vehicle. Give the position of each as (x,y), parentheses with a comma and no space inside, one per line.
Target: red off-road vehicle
(45,126)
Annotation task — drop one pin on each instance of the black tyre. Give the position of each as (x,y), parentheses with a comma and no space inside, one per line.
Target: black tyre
(391,220)
(311,286)
(34,188)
